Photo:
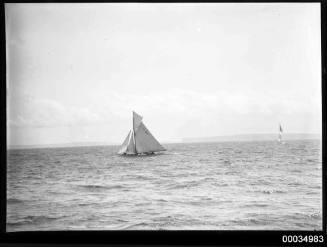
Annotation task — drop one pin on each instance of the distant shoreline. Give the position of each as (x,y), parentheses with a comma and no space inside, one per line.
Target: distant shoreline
(62,145)
(230,138)
(253,137)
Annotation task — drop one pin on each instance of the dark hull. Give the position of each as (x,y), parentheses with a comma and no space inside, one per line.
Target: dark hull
(140,154)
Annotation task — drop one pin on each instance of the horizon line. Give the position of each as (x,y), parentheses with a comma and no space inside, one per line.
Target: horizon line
(182,140)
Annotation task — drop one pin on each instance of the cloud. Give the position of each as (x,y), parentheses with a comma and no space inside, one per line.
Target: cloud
(114,107)
(226,102)
(27,111)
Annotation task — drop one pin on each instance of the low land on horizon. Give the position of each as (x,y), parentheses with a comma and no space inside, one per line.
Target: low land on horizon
(227,138)
(253,137)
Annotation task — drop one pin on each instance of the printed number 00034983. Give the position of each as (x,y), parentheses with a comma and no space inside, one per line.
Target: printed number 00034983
(301,239)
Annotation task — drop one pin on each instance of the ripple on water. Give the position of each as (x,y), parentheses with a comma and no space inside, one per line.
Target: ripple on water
(176,190)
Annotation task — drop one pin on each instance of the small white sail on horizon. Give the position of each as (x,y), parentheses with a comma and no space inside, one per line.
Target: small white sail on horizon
(280,133)
(140,140)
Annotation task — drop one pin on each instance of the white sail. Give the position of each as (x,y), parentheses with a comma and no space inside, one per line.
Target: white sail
(280,133)
(145,142)
(128,146)
(123,147)
(137,119)
(139,139)
(131,144)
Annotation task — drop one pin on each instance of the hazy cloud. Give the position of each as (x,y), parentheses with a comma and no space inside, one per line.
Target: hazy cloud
(30,111)
(33,112)
(78,70)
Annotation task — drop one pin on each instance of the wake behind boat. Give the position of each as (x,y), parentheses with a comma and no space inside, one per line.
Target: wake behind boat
(139,140)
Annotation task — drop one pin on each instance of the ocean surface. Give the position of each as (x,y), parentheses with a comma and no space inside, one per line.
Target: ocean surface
(199,186)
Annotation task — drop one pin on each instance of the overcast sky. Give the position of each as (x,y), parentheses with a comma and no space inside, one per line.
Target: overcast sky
(75,72)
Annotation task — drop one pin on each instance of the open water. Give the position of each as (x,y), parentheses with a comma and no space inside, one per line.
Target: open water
(221,186)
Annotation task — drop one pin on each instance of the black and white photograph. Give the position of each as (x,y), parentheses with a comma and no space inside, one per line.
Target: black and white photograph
(163,116)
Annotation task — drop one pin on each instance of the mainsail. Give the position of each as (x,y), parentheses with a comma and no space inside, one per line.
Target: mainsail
(280,133)
(139,139)
(145,142)
(137,119)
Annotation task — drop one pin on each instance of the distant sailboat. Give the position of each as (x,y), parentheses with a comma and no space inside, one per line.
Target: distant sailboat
(139,140)
(280,134)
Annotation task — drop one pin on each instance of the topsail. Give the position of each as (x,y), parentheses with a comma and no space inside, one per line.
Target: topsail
(139,140)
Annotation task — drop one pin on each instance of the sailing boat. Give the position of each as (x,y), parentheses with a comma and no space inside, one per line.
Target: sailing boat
(280,134)
(139,140)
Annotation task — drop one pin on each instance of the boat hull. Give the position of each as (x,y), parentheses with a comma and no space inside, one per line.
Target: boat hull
(140,154)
